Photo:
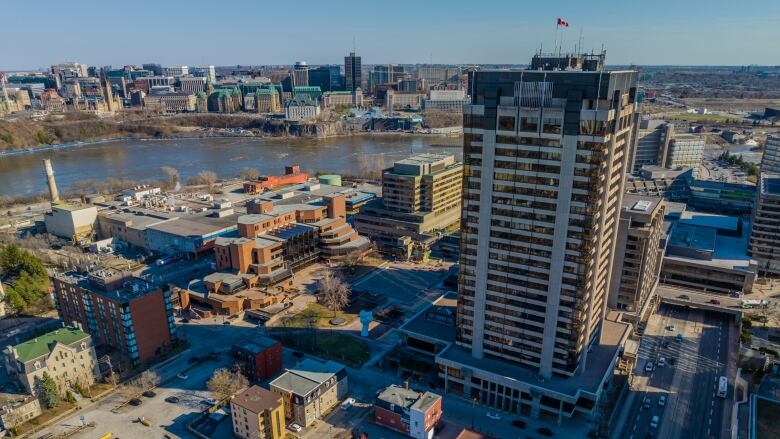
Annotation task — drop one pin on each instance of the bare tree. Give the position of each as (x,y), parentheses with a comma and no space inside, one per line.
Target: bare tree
(205,178)
(172,177)
(333,292)
(249,174)
(225,383)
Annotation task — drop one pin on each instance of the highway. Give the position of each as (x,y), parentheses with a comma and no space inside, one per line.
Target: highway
(692,409)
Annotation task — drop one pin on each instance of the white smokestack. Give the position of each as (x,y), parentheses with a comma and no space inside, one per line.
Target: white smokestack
(47,169)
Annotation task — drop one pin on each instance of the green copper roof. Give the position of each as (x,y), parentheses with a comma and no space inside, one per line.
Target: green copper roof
(307,89)
(38,347)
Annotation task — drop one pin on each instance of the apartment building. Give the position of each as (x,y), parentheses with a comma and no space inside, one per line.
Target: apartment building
(638,256)
(765,234)
(415,414)
(259,357)
(127,313)
(420,194)
(545,153)
(257,414)
(685,151)
(311,389)
(650,144)
(66,354)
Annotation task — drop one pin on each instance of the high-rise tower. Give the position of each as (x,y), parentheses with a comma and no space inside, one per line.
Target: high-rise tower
(353,75)
(545,154)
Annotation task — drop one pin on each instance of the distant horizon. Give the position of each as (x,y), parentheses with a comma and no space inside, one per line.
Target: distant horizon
(244,32)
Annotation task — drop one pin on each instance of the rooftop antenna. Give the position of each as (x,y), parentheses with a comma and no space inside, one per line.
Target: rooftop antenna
(354,45)
(579,43)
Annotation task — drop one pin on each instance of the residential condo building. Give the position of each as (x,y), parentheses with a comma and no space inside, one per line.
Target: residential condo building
(765,234)
(545,153)
(257,414)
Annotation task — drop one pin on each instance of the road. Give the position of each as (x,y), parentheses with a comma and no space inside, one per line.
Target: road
(692,410)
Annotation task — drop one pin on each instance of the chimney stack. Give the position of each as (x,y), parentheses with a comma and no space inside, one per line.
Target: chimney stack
(47,169)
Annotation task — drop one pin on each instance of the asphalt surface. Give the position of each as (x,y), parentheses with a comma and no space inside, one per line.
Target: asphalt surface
(692,410)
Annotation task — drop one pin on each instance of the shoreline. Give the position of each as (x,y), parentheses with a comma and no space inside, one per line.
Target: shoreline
(69,145)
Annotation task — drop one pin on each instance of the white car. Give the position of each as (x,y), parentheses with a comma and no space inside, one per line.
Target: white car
(493,415)
(182,376)
(347,404)
(646,404)
(295,427)
(662,401)
(662,362)
(649,366)
(654,422)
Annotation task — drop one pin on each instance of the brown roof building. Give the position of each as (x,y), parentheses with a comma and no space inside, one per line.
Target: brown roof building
(257,414)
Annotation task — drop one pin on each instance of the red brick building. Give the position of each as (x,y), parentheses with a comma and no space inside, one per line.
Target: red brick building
(127,313)
(412,413)
(292,175)
(259,357)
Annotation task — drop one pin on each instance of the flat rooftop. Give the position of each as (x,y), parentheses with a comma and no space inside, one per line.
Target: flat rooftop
(641,204)
(257,399)
(306,376)
(437,321)
(194,227)
(131,287)
(600,364)
(710,220)
(256,344)
(729,252)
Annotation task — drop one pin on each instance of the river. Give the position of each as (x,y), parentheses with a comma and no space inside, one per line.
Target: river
(141,159)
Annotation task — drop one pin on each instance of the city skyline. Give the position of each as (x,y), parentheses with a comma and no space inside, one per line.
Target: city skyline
(171,34)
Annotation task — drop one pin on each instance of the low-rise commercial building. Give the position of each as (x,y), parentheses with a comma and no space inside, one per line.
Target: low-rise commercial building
(66,354)
(709,252)
(449,101)
(292,175)
(333,99)
(171,102)
(257,414)
(311,389)
(403,101)
(127,313)
(638,256)
(412,413)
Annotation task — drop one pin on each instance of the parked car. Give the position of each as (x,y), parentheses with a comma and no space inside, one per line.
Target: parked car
(347,404)
(679,338)
(715,301)
(544,431)
(149,394)
(519,423)
(671,328)
(182,376)
(684,297)
(649,366)
(646,403)
(209,401)
(135,402)
(172,399)
(736,294)
(654,422)
(662,401)
(295,427)
(493,415)
(662,362)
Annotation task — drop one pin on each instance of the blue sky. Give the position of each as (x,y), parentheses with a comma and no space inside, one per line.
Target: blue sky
(478,31)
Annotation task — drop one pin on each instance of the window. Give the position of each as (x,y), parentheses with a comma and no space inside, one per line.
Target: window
(506,123)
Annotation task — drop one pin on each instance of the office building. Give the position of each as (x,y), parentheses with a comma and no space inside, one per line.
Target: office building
(156,69)
(175,71)
(765,235)
(403,101)
(327,78)
(192,84)
(650,144)
(334,99)
(66,354)
(449,101)
(545,153)
(127,313)
(415,414)
(257,414)
(311,92)
(655,143)
(434,75)
(173,102)
(300,74)
(353,73)
(208,72)
(420,195)
(267,101)
(770,162)
(708,252)
(311,389)
(225,100)
(258,357)
(638,256)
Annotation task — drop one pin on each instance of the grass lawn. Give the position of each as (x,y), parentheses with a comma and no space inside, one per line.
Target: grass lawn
(343,348)
(702,117)
(368,263)
(320,314)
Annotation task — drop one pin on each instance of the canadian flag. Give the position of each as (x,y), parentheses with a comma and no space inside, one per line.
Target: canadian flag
(562,22)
